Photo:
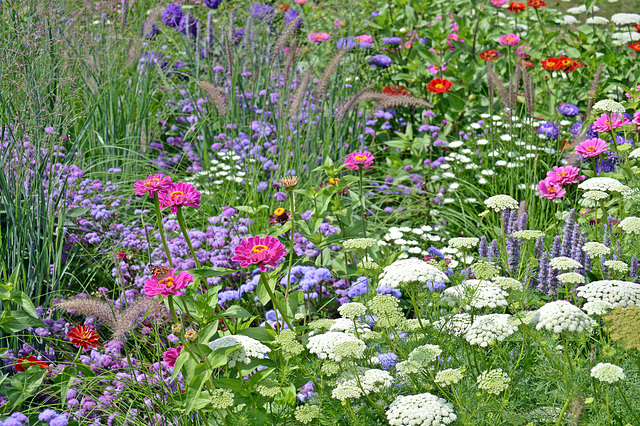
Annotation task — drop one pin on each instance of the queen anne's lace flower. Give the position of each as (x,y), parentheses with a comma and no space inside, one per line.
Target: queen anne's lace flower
(352,310)
(425,354)
(601,184)
(463,243)
(410,270)
(493,381)
(625,19)
(249,348)
(635,153)
(501,202)
(595,195)
(609,105)
(423,409)
(571,278)
(596,250)
(371,380)
(385,307)
(307,413)
(608,373)
(457,324)
(522,317)
(359,243)
(562,317)
(448,377)
(528,234)
(346,391)
(564,263)
(630,225)
(336,346)
(486,329)
(507,283)
(617,266)
(408,368)
(221,399)
(477,294)
(598,307)
(618,293)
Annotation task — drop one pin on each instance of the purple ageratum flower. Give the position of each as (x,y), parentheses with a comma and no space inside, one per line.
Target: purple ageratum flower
(392,41)
(380,61)
(569,110)
(238,36)
(261,11)
(172,15)
(290,16)
(212,4)
(346,43)
(358,288)
(387,289)
(388,361)
(575,128)
(549,129)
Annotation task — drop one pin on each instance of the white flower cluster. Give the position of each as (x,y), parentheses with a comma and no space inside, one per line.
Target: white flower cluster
(625,19)
(410,270)
(220,173)
(635,153)
(598,307)
(359,243)
(528,234)
(423,409)
(501,202)
(477,294)
(564,263)
(608,373)
(571,278)
(371,380)
(336,346)
(594,196)
(609,105)
(352,310)
(618,293)
(508,283)
(486,329)
(522,317)
(425,354)
(601,184)
(582,9)
(630,225)
(493,381)
(457,324)
(596,250)
(450,376)
(411,240)
(463,243)
(562,317)
(617,266)
(249,348)
(346,325)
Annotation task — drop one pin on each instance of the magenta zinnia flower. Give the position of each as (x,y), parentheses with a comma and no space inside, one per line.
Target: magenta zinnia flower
(318,38)
(180,194)
(171,355)
(592,148)
(509,40)
(608,121)
(636,119)
(564,175)
(167,285)
(261,251)
(364,38)
(355,160)
(549,189)
(155,183)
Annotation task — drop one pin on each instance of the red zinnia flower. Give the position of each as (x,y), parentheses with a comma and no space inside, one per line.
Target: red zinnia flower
(23,363)
(563,62)
(636,26)
(537,3)
(439,85)
(573,66)
(394,90)
(84,336)
(516,7)
(489,55)
(284,7)
(551,64)
(635,46)
(527,64)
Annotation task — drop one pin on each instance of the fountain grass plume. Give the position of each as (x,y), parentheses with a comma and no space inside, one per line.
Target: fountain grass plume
(298,95)
(289,31)
(328,73)
(216,95)
(99,309)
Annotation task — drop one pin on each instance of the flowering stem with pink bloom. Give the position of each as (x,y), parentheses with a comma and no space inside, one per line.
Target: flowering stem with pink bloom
(183,228)
(156,202)
(364,226)
(291,218)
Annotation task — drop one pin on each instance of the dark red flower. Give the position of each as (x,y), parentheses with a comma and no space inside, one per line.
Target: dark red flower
(516,7)
(575,64)
(84,336)
(439,85)
(635,46)
(25,362)
(280,215)
(490,55)
(122,254)
(394,90)
(536,3)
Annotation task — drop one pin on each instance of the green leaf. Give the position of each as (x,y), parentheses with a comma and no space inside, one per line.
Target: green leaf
(77,212)
(21,299)
(257,333)
(236,311)
(182,358)
(211,272)
(15,321)
(23,385)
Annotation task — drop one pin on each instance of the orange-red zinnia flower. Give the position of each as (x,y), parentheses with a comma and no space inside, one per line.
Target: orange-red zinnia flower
(516,7)
(25,362)
(394,90)
(551,64)
(635,46)
(439,85)
(537,3)
(489,55)
(84,336)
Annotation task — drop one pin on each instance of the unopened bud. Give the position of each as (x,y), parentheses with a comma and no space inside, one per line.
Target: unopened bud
(289,182)
(191,335)
(176,328)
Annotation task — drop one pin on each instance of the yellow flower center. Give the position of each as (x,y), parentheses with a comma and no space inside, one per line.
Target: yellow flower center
(551,190)
(608,122)
(259,248)
(562,173)
(279,212)
(591,148)
(360,157)
(176,194)
(168,281)
(439,86)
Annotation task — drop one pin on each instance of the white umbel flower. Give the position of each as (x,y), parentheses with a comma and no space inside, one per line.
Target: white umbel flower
(601,184)
(597,20)
(449,376)
(456,325)
(501,202)
(566,20)
(359,243)
(250,348)
(477,294)
(564,263)
(581,9)
(528,234)
(508,283)
(352,310)
(635,153)
(595,249)
(410,270)
(608,373)
(571,278)
(630,225)
(486,329)
(346,325)
(463,243)
(336,346)
(372,380)
(609,105)
(618,293)
(595,195)
(562,317)
(617,266)
(493,381)
(598,307)
(625,18)
(423,409)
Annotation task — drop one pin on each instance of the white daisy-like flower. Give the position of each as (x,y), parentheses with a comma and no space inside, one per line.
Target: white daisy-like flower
(408,271)
(609,105)
(336,346)
(630,225)
(598,307)
(618,293)
(562,317)
(486,329)
(564,263)
(608,373)
(625,18)
(463,243)
(249,348)
(501,202)
(423,409)
(571,278)
(617,266)
(595,249)
(601,184)
(475,293)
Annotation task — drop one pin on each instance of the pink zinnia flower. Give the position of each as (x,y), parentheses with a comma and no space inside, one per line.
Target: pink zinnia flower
(592,148)
(521,53)
(171,355)
(434,69)
(301,1)
(636,119)
(167,285)
(498,3)
(180,194)
(608,121)
(509,40)
(155,183)
(318,38)
(357,159)
(364,38)
(564,175)
(549,189)
(261,251)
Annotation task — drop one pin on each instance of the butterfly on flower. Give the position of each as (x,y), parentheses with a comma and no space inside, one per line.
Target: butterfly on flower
(160,272)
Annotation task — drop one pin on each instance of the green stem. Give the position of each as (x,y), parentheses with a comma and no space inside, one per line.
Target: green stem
(364,227)
(156,202)
(183,228)
(291,218)
(276,305)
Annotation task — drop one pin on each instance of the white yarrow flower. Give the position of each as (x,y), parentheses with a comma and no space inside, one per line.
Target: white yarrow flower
(423,409)
(609,105)
(618,293)
(608,373)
